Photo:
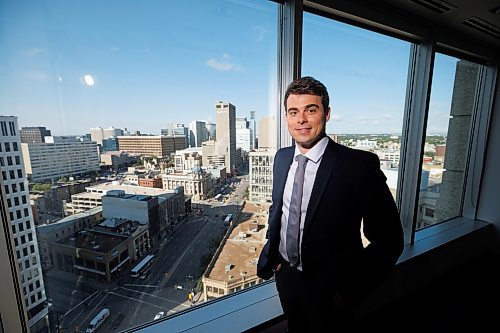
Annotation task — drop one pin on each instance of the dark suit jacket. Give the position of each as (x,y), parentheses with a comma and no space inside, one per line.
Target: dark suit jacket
(349,188)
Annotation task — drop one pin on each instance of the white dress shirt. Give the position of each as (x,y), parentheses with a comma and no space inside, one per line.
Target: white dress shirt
(314,156)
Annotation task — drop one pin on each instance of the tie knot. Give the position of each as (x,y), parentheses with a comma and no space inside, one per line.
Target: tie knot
(301,159)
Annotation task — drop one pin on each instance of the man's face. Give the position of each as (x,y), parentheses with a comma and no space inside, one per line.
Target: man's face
(306,120)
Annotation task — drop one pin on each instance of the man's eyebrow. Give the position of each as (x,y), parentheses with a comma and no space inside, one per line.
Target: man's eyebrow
(305,107)
(311,105)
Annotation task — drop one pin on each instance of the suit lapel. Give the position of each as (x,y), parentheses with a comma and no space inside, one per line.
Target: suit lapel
(325,169)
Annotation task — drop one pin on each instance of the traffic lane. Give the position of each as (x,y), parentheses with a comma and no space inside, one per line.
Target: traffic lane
(200,247)
(81,315)
(65,294)
(132,308)
(190,263)
(168,255)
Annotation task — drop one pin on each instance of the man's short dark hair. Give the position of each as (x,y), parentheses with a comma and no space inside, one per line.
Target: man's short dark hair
(311,86)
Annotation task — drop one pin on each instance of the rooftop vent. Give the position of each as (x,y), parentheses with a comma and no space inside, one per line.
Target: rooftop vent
(228,267)
(437,6)
(483,26)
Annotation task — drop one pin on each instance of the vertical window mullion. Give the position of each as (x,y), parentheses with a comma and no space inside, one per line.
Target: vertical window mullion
(479,136)
(289,61)
(412,140)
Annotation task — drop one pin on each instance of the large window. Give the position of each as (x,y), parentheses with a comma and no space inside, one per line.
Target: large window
(126,83)
(452,105)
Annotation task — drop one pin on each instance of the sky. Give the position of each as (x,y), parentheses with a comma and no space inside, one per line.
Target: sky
(140,65)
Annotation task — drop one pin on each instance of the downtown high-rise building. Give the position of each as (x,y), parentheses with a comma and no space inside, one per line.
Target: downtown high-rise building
(243,134)
(98,133)
(253,130)
(226,133)
(197,133)
(22,227)
(176,130)
(267,133)
(59,156)
(34,134)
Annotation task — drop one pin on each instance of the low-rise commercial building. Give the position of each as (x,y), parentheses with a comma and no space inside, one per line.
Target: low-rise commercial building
(52,232)
(101,253)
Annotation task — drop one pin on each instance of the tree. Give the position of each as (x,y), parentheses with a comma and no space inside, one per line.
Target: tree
(41,187)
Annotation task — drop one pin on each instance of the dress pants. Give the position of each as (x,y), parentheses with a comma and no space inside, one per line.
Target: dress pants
(309,307)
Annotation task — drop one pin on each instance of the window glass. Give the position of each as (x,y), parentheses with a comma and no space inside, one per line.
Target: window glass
(84,74)
(365,74)
(451,108)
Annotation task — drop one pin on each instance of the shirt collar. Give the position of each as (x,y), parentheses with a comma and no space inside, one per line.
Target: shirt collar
(315,153)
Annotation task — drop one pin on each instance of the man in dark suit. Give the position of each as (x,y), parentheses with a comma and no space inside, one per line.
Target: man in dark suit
(319,202)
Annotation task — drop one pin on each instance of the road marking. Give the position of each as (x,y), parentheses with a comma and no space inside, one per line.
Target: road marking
(85,300)
(179,260)
(197,220)
(136,300)
(152,295)
(95,307)
(139,285)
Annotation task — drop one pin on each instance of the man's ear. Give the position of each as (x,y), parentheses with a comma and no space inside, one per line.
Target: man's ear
(327,114)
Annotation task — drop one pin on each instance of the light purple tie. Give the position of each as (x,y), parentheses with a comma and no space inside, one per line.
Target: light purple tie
(293,228)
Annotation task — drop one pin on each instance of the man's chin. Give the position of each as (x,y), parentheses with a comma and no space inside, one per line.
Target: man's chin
(307,144)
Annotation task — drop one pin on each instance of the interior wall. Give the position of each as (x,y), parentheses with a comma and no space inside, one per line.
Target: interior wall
(489,208)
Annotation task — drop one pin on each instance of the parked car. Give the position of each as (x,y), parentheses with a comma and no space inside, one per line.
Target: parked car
(159,315)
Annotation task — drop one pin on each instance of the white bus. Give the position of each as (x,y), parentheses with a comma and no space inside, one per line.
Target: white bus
(142,266)
(97,321)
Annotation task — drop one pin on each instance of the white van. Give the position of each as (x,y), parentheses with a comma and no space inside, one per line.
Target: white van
(97,321)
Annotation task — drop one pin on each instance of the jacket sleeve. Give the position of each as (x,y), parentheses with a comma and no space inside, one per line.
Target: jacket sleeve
(382,227)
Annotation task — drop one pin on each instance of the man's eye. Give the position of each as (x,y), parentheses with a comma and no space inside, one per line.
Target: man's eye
(311,111)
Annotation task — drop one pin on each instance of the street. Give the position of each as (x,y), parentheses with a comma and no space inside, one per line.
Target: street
(179,263)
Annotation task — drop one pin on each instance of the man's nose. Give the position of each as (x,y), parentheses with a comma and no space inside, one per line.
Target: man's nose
(301,118)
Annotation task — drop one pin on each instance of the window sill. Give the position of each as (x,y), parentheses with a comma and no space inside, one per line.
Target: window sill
(257,305)
(433,237)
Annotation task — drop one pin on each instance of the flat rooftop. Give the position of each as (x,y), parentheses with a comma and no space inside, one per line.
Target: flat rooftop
(62,223)
(243,247)
(131,189)
(93,241)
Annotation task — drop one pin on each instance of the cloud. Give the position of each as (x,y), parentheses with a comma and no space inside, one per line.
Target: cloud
(32,52)
(222,64)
